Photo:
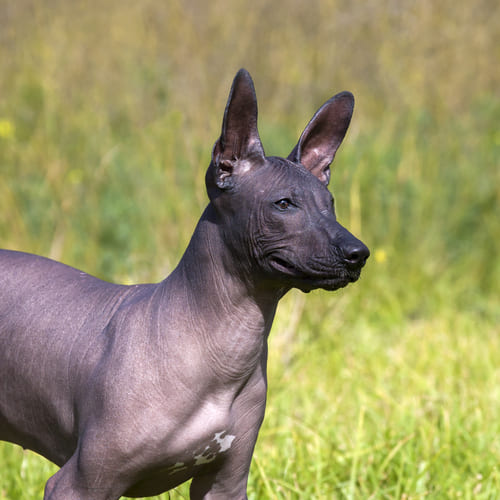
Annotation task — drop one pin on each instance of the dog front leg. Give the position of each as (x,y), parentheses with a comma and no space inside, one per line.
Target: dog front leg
(227,482)
(74,481)
(230,479)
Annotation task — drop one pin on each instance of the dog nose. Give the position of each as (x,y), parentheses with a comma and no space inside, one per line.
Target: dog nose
(356,255)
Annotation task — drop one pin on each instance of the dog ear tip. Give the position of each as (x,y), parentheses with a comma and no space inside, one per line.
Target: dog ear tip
(345,96)
(244,74)
(342,104)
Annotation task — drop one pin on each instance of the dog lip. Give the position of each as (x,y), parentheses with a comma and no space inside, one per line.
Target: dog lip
(327,278)
(283,266)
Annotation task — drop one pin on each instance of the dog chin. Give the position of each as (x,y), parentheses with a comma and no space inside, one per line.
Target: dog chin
(306,281)
(329,284)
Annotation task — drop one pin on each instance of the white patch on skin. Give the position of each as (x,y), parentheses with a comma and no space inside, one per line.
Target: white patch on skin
(224,442)
(202,459)
(208,455)
(177,467)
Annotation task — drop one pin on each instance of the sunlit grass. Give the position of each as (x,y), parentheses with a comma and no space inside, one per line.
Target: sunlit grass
(388,389)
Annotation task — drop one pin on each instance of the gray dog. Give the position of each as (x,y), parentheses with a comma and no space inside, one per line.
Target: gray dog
(133,390)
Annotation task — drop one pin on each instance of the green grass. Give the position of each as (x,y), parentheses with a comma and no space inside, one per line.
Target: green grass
(389,389)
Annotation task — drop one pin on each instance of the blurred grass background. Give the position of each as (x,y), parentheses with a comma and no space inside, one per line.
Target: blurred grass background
(108,113)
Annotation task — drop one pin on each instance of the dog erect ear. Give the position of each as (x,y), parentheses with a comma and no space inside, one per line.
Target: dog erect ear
(239,146)
(323,135)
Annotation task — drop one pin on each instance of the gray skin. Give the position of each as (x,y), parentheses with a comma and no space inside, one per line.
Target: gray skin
(133,390)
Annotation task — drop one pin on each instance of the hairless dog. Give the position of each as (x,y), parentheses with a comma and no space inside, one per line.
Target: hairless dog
(133,390)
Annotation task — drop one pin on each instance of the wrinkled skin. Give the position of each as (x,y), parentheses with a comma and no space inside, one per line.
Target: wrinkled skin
(133,390)
(291,230)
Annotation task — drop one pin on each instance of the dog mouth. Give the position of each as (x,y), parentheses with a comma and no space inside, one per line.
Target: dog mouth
(308,277)
(283,266)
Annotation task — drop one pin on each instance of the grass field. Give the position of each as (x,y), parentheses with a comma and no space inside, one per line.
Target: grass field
(389,389)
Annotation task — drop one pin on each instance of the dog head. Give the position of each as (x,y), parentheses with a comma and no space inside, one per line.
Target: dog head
(277,214)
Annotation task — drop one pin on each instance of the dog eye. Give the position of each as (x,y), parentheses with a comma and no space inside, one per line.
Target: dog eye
(283,204)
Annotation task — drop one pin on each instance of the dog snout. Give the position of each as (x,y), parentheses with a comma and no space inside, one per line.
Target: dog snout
(355,254)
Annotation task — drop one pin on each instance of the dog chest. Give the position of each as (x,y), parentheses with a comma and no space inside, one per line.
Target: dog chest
(187,456)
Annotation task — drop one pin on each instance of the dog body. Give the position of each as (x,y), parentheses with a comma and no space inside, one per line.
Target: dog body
(133,390)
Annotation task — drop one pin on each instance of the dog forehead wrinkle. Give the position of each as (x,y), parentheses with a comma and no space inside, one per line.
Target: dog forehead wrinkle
(281,173)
